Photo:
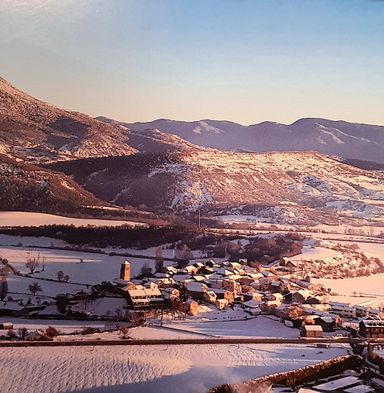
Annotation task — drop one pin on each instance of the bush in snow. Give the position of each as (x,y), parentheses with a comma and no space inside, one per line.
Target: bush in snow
(51,332)
(60,275)
(146,271)
(11,334)
(125,333)
(34,288)
(90,330)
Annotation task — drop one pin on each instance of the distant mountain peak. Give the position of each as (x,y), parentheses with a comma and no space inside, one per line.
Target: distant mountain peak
(330,137)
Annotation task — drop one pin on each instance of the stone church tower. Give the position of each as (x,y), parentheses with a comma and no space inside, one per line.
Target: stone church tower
(125,271)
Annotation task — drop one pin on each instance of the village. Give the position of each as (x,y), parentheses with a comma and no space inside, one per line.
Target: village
(254,304)
(213,289)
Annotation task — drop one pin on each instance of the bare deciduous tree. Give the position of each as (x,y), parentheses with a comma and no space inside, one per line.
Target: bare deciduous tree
(125,331)
(33,262)
(22,333)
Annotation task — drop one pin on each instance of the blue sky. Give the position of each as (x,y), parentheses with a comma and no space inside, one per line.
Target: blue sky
(241,60)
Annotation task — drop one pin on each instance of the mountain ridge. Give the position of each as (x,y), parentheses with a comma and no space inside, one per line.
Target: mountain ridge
(285,187)
(331,137)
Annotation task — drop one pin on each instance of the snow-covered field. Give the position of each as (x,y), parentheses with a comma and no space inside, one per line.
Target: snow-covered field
(369,285)
(12,219)
(261,326)
(313,253)
(264,225)
(372,250)
(160,369)
(7,240)
(94,269)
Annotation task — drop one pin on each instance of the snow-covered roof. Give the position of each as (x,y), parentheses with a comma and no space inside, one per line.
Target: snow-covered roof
(224,272)
(181,277)
(234,277)
(305,293)
(255,275)
(199,278)
(327,319)
(190,269)
(313,328)
(140,301)
(372,323)
(253,303)
(161,275)
(152,292)
(134,293)
(196,287)
(339,304)
(216,290)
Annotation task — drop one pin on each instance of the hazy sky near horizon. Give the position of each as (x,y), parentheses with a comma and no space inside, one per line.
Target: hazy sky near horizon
(240,60)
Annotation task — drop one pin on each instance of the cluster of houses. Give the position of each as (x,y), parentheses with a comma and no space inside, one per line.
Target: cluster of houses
(255,290)
(274,290)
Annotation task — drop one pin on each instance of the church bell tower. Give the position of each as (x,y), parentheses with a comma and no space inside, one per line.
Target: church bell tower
(125,271)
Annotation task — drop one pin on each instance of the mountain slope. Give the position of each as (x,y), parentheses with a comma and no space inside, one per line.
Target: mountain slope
(155,141)
(283,186)
(340,138)
(33,129)
(29,188)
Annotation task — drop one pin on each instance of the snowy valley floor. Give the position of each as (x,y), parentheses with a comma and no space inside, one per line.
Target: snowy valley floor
(160,369)
(157,368)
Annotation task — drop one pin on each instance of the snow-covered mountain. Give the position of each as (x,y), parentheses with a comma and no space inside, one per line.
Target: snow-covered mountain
(34,130)
(286,187)
(340,138)
(174,171)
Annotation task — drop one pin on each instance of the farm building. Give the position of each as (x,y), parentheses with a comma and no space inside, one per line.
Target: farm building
(191,307)
(327,323)
(221,304)
(371,328)
(313,331)
(6,326)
